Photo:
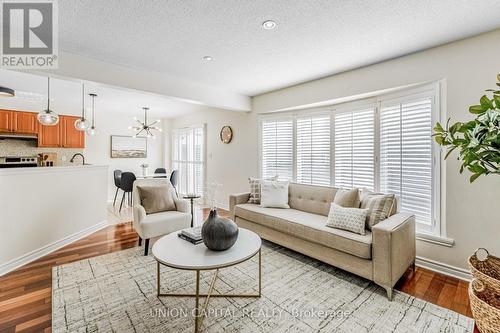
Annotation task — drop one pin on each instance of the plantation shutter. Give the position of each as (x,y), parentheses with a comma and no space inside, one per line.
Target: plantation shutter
(188,158)
(354,149)
(406,156)
(313,150)
(277,148)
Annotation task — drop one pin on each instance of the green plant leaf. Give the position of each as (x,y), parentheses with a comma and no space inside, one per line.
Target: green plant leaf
(439,140)
(486,103)
(476,109)
(438,128)
(474,177)
(449,152)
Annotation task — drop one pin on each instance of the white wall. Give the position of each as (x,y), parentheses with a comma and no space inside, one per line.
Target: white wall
(45,208)
(468,67)
(97,150)
(227,164)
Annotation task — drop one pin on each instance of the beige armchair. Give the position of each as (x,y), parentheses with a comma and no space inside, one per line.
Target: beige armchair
(162,223)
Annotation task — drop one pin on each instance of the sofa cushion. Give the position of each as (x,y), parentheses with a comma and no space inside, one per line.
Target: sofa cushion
(347,218)
(156,198)
(310,198)
(164,223)
(308,226)
(347,198)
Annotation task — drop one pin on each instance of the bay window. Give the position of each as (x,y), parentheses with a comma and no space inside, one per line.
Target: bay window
(383,144)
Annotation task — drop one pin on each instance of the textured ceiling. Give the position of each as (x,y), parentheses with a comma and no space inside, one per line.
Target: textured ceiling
(65,95)
(314,38)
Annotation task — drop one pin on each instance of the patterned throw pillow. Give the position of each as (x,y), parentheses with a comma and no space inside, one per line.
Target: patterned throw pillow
(255,191)
(379,206)
(350,219)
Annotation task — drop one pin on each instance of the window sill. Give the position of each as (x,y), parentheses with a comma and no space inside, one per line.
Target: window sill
(439,240)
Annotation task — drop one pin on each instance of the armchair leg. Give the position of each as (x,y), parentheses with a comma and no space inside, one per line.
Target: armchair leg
(389,293)
(140,241)
(413,267)
(146,246)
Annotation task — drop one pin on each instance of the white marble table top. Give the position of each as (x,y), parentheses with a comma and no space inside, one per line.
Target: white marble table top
(175,252)
(152,175)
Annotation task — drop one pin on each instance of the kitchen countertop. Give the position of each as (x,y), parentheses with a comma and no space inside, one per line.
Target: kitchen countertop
(31,170)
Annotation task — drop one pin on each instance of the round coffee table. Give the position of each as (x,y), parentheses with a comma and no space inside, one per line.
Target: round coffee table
(174,252)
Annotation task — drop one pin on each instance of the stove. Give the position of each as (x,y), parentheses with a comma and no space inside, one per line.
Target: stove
(18,161)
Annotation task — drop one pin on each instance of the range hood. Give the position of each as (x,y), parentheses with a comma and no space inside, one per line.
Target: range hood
(18,136)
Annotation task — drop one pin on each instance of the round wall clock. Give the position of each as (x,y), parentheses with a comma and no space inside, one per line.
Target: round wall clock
(226,134)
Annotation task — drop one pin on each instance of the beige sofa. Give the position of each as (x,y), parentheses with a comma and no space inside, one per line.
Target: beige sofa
(381,255)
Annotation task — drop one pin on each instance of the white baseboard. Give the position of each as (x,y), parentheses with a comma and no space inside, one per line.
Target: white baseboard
(442,268)
(36,254)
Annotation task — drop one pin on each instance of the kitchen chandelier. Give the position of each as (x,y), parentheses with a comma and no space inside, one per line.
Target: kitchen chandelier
(144,126)
(92,130)
(48,117)
(81,124)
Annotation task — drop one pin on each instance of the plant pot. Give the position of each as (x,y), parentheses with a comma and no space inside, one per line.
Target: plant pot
(219,233)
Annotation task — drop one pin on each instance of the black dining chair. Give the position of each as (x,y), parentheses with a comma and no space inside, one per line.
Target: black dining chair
(117,174)
(126,183)
(160,170)
(174,179)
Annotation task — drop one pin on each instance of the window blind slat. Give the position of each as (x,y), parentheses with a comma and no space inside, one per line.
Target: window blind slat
(354,149)
(313,149)
(406,156)
(277,149)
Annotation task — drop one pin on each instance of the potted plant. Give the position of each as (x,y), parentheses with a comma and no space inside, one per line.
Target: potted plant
(478,140)
(478,143)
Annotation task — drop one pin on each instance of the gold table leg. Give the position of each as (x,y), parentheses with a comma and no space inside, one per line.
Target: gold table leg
(198,322)
(197,311)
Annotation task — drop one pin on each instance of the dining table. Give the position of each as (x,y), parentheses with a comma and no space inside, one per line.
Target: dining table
(152,175)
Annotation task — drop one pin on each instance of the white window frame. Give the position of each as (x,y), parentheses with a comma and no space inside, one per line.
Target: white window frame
(203,163)
(435,90)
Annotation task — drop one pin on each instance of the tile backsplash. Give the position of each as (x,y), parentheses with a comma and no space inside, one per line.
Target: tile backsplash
(15,147)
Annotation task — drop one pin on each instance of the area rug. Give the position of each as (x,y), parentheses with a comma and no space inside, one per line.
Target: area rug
(117,293)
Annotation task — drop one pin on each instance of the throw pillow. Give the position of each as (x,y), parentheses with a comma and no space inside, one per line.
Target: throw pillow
(347,198)
(274,194)
(347,218)
(156,198)
(255,189)
(379,206)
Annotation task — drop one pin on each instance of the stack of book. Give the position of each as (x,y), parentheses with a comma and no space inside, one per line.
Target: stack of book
(192,235)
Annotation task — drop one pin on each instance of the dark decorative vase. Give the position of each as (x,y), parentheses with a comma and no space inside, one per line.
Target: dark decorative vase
(219,233)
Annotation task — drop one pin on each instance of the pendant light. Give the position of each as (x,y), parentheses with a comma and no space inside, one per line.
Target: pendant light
(48,117)
(6,92)
(92,130)
(81,124)
(145,127)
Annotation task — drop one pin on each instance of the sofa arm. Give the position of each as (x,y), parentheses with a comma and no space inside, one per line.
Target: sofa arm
(393,249)
(182,206)
(236,199)
(139,215)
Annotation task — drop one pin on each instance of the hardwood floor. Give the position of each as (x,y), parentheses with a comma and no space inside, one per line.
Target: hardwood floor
(25,294)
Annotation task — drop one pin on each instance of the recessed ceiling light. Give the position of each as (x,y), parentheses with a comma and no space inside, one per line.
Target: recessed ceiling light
(269,25)
(208,58)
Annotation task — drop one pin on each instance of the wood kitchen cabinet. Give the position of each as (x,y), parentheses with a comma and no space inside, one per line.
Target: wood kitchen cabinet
(50,136)
(18,122)
(62,135)
(71,137)
(5,121)
(24,122)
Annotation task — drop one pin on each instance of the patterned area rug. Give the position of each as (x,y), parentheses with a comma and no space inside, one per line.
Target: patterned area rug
(117,293)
